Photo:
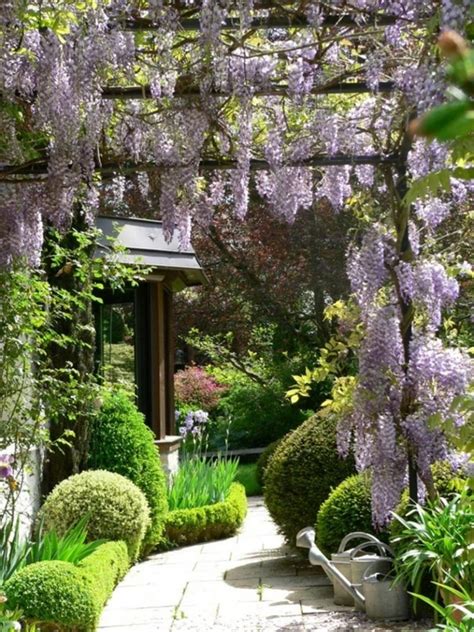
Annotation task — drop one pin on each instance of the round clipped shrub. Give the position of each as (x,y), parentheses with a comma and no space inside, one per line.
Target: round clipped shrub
(116,508)
(122,443)
(53,592)
(348,508)
(265,457)
(301,473)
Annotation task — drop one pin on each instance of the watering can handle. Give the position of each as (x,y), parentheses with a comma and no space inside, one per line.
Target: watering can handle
(382,547)
(353,536)
(366,574)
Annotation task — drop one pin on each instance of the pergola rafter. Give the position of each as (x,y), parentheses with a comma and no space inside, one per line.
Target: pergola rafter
(40,168)
(144,92)
(290,20)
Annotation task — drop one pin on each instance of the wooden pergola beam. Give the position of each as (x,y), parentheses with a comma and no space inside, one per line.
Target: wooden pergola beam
(109,168)
(297,21)
(144,92)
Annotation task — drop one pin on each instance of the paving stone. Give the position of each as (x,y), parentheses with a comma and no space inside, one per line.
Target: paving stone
(215,587)
(136,616)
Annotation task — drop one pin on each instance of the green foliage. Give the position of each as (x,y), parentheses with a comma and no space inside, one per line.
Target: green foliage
(105,568)
(333,364)
(72,597)
(348,508)
(13,549)
(446,483)
(257,381)
(200,482)
(211,522)
(247,475)
(436,541)
(458,613)
(71,547)
(301,473)
(264,459)
(116,508)
(259,413)
(53,592)
(122,443)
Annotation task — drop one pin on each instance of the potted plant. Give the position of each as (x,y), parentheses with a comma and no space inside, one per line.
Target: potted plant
(437,541)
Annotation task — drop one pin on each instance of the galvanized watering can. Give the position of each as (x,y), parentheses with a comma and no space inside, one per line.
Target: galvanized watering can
(305,539)
(383,600)
(372,593)
(344,561)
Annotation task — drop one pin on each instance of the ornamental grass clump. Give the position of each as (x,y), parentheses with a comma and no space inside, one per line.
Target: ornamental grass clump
(200,482)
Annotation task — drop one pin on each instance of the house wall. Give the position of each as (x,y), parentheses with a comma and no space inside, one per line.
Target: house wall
(29,496)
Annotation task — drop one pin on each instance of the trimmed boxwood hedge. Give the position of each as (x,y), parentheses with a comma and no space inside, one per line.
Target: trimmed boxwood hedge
(348,508)
(211,522)
(56,593)
(121,442)
(115,507)
(301,473)
(265,457)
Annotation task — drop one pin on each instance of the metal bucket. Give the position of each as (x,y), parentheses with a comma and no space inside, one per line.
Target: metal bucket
(382,600)
(342,561)
(376,564)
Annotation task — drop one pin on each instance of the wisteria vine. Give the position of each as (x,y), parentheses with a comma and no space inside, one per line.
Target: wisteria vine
(226,113)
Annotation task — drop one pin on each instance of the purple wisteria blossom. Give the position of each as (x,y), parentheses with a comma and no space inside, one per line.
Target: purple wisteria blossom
(6,465)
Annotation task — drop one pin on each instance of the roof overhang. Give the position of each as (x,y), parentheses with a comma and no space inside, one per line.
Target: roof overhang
(145,244)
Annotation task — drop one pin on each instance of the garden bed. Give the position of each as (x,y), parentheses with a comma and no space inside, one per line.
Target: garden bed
(210,522)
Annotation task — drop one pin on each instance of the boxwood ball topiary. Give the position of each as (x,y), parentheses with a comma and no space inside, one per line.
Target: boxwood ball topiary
(301,473)
(348,508)
(122,443)
(265,457)
(116,508)
(53,592)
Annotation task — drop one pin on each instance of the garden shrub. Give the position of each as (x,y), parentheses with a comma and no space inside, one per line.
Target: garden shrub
(211,522)
(116,508)
(122,443)
(53,592)
(264,458)
(301,473)
(260,414)
(348,508)
(61,594)
(196,389)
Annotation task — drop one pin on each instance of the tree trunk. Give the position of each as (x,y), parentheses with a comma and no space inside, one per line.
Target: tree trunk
(75,360)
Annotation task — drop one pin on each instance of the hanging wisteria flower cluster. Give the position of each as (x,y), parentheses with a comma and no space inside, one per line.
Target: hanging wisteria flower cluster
(218,106)
(404,380)
(67,121)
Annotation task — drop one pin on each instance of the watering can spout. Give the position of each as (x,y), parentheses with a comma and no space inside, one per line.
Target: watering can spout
(305,539)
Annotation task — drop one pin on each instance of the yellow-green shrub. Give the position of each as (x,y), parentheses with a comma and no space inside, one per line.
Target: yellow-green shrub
(115,507)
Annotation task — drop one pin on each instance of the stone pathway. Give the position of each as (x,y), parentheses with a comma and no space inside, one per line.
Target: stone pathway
(249,583)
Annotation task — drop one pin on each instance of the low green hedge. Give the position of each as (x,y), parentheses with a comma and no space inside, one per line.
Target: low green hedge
(211,522)
(56,593)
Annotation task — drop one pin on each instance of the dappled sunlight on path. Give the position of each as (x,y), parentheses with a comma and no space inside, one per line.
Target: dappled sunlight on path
(251,582)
